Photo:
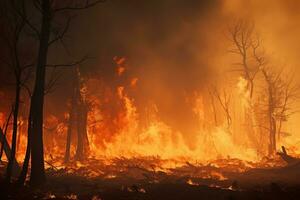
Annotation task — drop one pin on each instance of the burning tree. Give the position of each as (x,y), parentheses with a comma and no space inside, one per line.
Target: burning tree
(78,116)
(279,92)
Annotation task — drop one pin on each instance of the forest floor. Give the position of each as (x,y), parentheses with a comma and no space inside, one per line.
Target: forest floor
(143,179)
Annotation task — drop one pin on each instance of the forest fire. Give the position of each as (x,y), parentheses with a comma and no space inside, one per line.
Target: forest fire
(201,102)
(155,145)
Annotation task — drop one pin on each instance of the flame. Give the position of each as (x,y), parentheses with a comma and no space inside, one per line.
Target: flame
(191,182)
(117,132)
(120,65)
(244,92)
(159,139)
(120,70)
(133,82)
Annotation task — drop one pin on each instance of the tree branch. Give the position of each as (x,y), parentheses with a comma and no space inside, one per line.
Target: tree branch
(88,4)
(62,34)
(82,60)
(24,17)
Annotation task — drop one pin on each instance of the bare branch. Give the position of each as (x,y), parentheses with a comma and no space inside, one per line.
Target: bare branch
(54,77)
(82,60)
(26,87)
(87,4)
(64,31)
(23,15)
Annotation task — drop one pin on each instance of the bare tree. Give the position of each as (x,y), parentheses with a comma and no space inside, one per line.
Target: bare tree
(282,92)
(15,61)
(223,98)
(49,10)
(242,35)
(290,94)
(278,89)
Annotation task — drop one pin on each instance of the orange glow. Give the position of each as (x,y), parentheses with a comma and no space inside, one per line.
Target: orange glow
(133,82)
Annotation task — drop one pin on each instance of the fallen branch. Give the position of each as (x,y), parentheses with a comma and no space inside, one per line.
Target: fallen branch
(287,158)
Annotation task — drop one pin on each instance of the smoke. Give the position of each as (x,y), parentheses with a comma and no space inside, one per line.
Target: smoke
(175,48)
(170,46)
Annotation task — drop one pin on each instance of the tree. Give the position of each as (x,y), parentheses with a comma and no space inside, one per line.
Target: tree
(78,116)
(37,100)
(5,146)
(48,9)
(82,112)
(282,92)
(43,29)
(4,129)
(15,61)
(71,120)
(279,91)
(24,171)
(242,38)
(224,100)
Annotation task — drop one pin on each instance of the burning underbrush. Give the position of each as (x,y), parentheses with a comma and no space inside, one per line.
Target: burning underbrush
(155,169)
(143,175)
(147,177)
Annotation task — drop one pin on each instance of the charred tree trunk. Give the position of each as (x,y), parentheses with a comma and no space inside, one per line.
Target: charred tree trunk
(82,140)
(5,132)
(272,121)
(70,125)
(7,152)
(37,176)
(82,111)
(23,174)
(84,129)
(80,146)
(15,130)
(273,131)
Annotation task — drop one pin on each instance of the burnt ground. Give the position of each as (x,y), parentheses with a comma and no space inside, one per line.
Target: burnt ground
(186,182)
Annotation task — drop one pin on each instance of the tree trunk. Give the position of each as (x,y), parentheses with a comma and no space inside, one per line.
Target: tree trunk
(37,176)
(70,125)
(82,111)
(84,129)
(80,153)
(5,132)
(272,121)
(7,152)
(14,135)
(272,136)
(19,136)
(23,174)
